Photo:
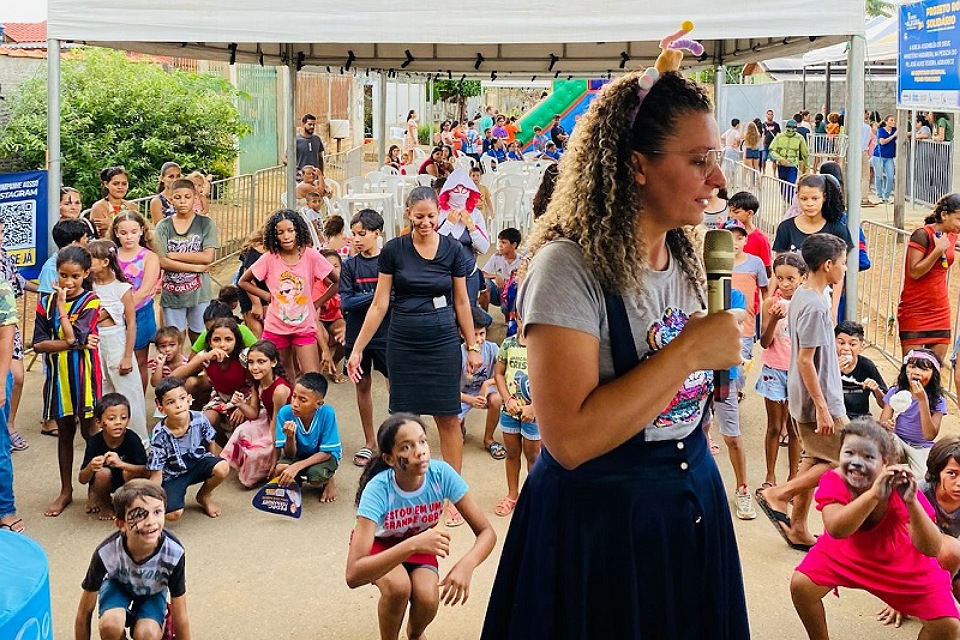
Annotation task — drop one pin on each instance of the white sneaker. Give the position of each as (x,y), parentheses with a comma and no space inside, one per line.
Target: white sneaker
(745,510)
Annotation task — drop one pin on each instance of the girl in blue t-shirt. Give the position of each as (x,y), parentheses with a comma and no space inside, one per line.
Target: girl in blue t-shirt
(395,544)
(917,425)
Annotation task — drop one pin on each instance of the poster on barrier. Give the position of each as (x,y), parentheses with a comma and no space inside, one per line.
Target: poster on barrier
(23,212)
(928,74)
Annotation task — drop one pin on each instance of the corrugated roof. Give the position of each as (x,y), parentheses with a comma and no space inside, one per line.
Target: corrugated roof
(25,31)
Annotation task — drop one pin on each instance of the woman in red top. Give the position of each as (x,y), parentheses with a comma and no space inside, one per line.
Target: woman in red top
(924,311)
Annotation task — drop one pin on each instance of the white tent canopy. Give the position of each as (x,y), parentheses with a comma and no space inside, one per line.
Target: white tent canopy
(881,36)
(511,36)
(552,37)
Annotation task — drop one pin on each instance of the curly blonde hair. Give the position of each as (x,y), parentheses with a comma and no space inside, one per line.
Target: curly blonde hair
(597,198)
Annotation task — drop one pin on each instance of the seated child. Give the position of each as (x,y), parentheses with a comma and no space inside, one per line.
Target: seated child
(180,451)
(880,535)
(315,212)
(219,309)
(859,375)
(168,342)
(311,453)
(113,456)
(478,390)
(133,570)
(501,266)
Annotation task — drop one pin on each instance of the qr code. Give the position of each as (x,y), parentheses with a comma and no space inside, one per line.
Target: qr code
(19,224)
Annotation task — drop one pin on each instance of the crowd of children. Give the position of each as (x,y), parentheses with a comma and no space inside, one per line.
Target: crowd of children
(250,395)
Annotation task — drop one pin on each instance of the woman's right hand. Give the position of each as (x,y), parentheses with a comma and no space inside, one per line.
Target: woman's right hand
(711,341)
(353,366)
(941,243)
(432,542)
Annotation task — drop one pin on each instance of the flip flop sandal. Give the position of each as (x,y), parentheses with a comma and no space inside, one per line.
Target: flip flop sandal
(17,443)
(365,454)
(775,517)
(505,508)
(784,441)
(55,433)
(454,519)
(14,527)
(496,450)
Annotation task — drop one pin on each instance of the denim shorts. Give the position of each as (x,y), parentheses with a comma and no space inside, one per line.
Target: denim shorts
(772,384)
(114,595)
(509,424)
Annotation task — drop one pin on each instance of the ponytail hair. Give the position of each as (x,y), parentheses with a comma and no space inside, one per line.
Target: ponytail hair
(104,249)
(949,203)
(833,208)
(386,439)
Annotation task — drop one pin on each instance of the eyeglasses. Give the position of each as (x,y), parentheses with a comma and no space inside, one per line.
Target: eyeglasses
(707,161)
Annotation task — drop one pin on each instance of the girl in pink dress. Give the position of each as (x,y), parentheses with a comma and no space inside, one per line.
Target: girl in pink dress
(880,535)
(252,446)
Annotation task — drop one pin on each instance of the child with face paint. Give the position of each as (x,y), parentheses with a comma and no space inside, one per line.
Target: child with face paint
(880,535)
(918,425)
(941,486)
(114,454)
(66,333)
(134,569)
(395,543)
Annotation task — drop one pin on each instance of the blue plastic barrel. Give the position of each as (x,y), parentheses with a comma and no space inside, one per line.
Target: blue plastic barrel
(24,589)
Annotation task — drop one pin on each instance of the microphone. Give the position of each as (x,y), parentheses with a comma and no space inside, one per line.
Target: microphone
(718,261)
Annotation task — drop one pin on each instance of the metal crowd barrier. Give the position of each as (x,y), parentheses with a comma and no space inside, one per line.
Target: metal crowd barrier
(931,170)
(825,147)
(774,194)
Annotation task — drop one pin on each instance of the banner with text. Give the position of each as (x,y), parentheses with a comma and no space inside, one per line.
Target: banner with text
(23,212)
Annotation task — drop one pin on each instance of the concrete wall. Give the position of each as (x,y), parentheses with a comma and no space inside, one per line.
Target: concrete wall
(880,95)
(13,73)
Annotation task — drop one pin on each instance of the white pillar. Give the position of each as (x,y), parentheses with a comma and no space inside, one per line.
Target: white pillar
(430,111)
(718,81)
(290,128)
(855,104)
(54,169)
(382,110)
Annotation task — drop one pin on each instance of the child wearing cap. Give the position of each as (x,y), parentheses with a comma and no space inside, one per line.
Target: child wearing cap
(749,278)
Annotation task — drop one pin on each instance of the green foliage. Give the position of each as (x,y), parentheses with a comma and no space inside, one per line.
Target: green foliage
(423,134)
(457,92)
(115,111)
(875,8)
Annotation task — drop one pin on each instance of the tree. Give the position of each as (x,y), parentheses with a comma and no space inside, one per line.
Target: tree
(456,91)
(876,8)
(117,111)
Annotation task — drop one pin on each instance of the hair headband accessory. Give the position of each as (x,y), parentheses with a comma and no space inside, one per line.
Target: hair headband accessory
(671,55)
(922,355)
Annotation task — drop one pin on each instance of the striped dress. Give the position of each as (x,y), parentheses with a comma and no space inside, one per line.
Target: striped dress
(73,379)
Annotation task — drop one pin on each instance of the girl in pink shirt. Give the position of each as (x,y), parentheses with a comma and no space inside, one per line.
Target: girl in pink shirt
(291,268)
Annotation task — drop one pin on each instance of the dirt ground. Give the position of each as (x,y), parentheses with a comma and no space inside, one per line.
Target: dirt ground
(255,575)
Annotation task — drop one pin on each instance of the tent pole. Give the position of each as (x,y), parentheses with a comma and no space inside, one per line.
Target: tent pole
(913,152)
(290,129)
(382,137)
(430,111)
(855,105)
(54,168)
(803,94)
(826,92)
(718,104)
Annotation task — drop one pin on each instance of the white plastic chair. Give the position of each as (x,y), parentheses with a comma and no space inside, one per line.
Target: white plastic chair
(419,154)
(511,180)
(387,170)
(512,167)
(507,208)
(464,162)
(356,185)
(374,176)
(334,190)
(425,180)
(489,164)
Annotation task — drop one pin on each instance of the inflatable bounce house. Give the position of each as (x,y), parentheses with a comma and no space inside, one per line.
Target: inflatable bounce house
(569,98)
